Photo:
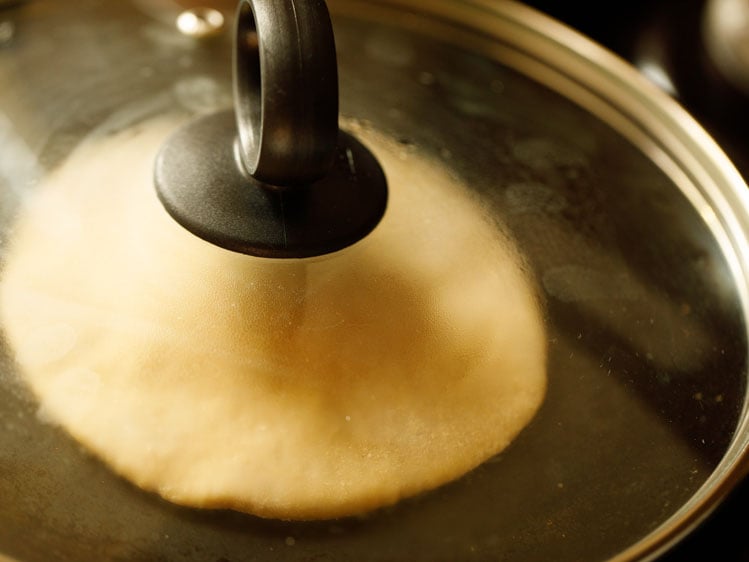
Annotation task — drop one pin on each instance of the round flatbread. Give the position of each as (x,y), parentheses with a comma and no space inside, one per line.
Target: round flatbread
(295,389)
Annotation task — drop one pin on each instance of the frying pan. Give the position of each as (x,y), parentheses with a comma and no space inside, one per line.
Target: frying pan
(631,220)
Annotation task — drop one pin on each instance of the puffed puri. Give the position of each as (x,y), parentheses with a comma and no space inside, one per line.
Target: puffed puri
(304,389)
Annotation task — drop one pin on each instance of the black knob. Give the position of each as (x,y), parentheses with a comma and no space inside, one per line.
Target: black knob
(275,177)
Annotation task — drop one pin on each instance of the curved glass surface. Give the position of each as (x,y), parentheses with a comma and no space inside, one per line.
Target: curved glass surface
(630,223)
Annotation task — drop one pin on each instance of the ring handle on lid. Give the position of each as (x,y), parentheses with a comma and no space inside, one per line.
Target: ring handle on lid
(275,177)
(285,90)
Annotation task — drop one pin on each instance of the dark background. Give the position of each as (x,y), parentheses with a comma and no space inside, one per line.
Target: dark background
(668,32)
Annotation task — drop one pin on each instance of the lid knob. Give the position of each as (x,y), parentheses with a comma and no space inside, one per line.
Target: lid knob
(275,177)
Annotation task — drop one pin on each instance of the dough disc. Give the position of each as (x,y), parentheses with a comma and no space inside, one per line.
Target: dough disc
(297,390)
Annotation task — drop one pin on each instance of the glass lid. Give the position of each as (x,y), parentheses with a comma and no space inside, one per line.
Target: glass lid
(536,349)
